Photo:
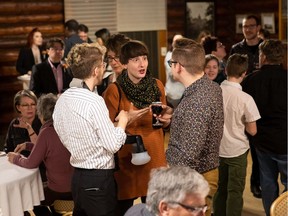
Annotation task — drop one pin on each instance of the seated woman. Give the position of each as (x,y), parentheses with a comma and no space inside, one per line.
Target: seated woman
(48,148)
(26,126)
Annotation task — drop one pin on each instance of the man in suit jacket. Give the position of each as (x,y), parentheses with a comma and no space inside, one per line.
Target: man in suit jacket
(51,76)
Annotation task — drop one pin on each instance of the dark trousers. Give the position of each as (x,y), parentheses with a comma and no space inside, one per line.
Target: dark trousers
(255,173)
(94,192)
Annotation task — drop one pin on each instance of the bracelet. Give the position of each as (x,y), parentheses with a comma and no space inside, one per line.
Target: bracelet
(32,134)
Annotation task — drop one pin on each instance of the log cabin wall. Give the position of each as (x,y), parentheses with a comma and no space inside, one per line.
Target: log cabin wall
(17,19)
(225,17)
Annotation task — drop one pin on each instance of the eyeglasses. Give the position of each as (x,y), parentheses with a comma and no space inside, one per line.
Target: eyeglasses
(111,58)
(170,62)
(192,209)
(220,45)
(55,49)
(104,64)
(26,106)
(249,26)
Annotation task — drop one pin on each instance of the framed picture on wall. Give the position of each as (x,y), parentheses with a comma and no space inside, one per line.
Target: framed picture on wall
(268,22)
(239,19)
(199,19)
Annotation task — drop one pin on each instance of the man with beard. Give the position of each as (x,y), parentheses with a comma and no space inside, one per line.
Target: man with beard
(249,45)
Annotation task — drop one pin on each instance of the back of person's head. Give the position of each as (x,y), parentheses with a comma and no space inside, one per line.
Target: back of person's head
(264,34)
(103,34)
(251,16)
(172,185)
(30,36)
(84,58)
(71,25)
(23,93)
(83,28)
(189,54)
(51,42)
(45,106)
(115,42)
(237,65)
(209,44)
(176,37)
(273,50)
(132,49)
(210,57)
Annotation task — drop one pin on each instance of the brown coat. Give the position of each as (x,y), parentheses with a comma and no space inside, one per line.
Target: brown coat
(133,180)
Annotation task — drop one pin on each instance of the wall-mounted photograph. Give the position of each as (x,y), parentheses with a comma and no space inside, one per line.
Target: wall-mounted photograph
(239,19)
(268,22)
(199,19)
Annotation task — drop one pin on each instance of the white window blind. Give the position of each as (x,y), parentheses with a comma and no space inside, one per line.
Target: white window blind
(117,15)
(96,14)
(147,15)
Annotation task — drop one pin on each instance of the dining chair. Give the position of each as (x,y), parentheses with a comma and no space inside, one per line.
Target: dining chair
(64,207)
(280,206)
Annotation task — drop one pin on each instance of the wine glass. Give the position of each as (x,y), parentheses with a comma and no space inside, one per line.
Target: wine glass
(156,109)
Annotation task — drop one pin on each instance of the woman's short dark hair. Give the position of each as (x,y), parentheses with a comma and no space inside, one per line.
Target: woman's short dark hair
(132,49)
(115,42)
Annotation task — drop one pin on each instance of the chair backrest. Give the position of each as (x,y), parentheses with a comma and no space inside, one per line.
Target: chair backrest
(280,206)
(64,206)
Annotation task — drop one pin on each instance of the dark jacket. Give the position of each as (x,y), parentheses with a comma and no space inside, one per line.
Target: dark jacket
(17,135)
(252,52)
(70,42)
(43,80)
(26,60)
(268,87)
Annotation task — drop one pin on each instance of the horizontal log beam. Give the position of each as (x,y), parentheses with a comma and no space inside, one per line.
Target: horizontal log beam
(31,18)
(57,28)
(20,8)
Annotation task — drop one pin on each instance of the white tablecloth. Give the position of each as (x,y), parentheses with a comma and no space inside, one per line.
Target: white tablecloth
(20,188)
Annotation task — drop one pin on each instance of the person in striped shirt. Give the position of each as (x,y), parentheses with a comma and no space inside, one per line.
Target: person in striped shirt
(82,122)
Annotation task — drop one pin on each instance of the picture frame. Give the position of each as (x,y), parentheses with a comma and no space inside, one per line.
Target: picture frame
(238,24)
(268,22)
(200,16)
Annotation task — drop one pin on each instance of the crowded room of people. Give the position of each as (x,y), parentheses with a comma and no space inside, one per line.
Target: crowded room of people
(154,108)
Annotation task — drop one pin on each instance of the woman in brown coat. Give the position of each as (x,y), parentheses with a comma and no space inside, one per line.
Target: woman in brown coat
(135,92)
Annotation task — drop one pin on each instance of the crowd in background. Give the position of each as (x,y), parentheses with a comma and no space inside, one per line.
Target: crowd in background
(85,98)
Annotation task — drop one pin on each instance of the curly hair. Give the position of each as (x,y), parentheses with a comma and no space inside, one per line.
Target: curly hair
(84,58)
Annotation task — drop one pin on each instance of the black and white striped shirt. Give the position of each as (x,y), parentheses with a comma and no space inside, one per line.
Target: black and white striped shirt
(82,122)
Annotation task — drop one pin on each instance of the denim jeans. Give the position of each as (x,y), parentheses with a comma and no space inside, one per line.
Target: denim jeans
(271,165)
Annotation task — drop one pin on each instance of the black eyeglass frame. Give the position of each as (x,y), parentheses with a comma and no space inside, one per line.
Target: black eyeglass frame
(192,208)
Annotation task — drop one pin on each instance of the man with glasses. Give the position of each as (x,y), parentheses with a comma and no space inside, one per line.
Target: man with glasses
(173,191)
(249,46)
(51,76)
(197,123)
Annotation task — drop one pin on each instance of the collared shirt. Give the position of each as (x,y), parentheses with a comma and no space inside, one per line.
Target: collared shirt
(239,108)
(82,122)
(58,75)
(197,127)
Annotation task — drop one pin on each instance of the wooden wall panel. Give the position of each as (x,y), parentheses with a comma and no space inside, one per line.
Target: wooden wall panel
(225,19)
(17,19)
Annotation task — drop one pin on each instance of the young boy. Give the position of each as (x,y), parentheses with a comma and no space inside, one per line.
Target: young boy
(240,115)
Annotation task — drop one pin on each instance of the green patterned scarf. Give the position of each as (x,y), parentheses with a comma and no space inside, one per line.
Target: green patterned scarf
(141,94)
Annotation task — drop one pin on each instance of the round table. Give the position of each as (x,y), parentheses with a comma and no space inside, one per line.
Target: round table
(20,188)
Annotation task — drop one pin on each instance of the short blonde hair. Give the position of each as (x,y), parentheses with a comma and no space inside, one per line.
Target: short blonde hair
(84,58)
